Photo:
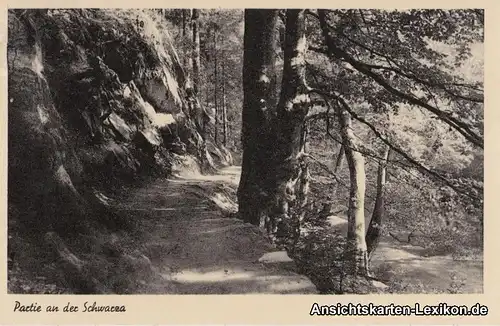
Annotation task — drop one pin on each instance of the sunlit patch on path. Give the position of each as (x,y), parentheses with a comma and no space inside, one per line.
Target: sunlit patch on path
(408,264)
(196,248)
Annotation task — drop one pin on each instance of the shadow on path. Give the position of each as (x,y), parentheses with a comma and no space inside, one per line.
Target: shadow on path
(196,248)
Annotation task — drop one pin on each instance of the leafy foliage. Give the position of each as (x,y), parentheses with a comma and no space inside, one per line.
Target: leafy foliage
(412,79)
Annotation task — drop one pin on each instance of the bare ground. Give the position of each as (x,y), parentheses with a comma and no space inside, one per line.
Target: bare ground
(196,246)
(409,266)
(187,241)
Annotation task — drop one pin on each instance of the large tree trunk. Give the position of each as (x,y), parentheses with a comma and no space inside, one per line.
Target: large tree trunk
(289,162)
(374,229)
(274,175)
(258,103)
(356,251)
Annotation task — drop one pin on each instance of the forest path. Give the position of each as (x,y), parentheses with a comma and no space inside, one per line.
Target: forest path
(197,248)
(408,265)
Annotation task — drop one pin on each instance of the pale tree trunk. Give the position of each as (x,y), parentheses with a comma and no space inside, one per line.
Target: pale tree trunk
(258,103)
(375,227)
(356,251)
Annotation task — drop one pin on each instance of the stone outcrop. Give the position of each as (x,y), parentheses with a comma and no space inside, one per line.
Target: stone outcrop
(96,99)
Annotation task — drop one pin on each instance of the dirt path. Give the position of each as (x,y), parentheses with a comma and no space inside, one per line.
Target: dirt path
(196,248)
(408,265)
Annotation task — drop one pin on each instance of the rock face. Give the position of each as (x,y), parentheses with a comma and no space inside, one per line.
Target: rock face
(96,99)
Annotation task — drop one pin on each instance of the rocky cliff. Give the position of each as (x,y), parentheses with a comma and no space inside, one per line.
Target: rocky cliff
(97,99)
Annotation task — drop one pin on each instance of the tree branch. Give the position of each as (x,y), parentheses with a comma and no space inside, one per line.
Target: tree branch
(425,82)
(327,116)
(418,165)
(446,117)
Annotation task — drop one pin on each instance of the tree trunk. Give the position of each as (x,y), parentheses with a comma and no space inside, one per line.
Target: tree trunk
(207,112)
(356,254)
(374,229)
(182,32)
(303,187)
(216,131)
(356,257)
(274,178)
(196,51)
(195,60)
(289,162)
(258,102)
(186,13)
(338,162)
(184,35)
(205,118)
(224,108)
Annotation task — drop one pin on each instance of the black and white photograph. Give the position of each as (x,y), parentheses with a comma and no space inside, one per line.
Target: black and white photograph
(245,151)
